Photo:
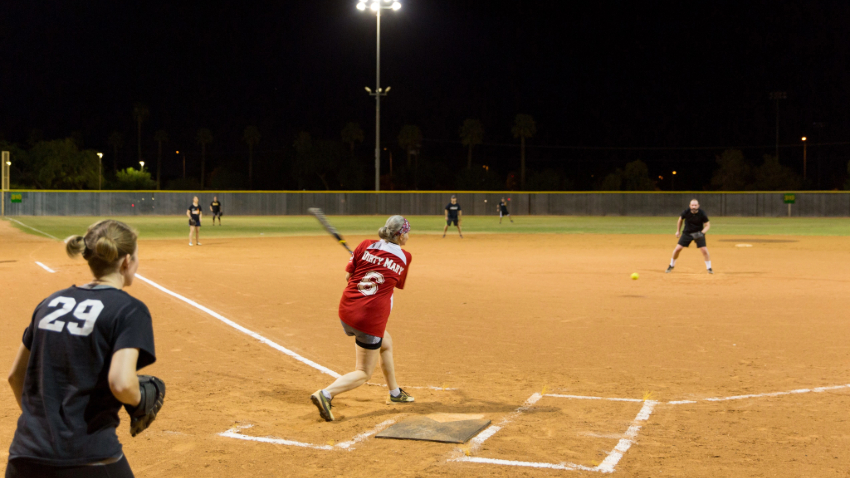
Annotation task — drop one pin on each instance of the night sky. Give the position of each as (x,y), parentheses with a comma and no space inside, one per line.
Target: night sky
(659,80)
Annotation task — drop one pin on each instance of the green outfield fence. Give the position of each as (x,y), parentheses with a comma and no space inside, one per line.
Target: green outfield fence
(128,203)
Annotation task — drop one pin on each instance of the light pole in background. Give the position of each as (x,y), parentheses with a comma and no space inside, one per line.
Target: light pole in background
(4,180)
(376,6)
(776,96)
(99,171)
(804,158)
(673,181)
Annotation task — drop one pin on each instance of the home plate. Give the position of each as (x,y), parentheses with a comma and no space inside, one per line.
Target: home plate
(439,427)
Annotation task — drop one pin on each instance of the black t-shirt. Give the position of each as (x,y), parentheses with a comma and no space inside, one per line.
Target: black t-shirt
(503,207)
(216,206)
(694,222)
(69,413)
(195,212)
(453,209)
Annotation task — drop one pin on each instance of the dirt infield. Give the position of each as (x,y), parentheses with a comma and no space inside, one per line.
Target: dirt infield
(488,323)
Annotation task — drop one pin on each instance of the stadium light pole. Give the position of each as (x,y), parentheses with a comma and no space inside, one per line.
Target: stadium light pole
(142,163)
(376,6)
(99,171)
(804,158)
(4,180)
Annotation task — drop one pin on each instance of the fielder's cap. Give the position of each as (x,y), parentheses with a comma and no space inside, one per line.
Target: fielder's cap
(454,197)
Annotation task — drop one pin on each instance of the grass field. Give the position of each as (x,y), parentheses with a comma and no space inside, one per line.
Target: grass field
(169,227)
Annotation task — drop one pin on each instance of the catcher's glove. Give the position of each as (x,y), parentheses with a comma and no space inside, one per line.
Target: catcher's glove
(192,222)
(697,235)
(142,415)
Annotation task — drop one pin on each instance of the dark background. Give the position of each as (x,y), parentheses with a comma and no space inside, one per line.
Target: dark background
(671,84)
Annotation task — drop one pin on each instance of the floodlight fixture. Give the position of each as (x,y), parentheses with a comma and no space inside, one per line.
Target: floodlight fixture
(804,138)
(361,6)
(388,90)
(142,163)
(100,155)
(375,6)
(396,5)
(369,90)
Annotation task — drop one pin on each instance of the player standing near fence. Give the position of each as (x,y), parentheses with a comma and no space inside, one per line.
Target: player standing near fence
(453,215)
(194,213)
(503,210)
(215,209)
(77,366)
(375,269)
(696,225)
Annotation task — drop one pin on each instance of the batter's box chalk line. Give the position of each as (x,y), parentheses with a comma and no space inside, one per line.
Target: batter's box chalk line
(607,465)
(261,338)
(236,432)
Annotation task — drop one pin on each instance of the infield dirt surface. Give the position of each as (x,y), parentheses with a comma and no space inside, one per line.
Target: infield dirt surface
(496,319)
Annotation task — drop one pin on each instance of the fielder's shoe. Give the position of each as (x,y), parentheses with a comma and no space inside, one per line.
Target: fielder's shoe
(323,403)
(199,243)
(669,269)
(191,244)
(710,271)
(403,397)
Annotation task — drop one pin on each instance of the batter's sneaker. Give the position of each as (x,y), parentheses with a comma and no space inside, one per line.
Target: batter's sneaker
(323,403)
(402,397)
(710,271)
(669,269)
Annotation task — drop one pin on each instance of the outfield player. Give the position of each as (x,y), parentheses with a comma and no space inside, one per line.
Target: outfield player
(374,271)
(503,211)
(696,222)
(194,214)
(453,215)
(215,209)
(77,366)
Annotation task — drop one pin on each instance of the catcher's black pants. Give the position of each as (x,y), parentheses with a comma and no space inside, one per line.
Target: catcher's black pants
(27,469)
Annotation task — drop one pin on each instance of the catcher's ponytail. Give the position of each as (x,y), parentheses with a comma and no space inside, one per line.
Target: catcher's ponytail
(104,245)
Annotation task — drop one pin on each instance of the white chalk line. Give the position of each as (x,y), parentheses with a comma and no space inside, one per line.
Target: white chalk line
(761,395)
(34,229)
(235,432)
(45,267)
(608,465)
(242,329)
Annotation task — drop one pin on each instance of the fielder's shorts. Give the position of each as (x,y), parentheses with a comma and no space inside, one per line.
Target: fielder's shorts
(217,213)
(504,212)
(686,239)
(197,222)
(451,220)
(369,342)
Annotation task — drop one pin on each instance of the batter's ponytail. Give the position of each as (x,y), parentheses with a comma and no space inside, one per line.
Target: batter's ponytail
(104,245)
(395,226)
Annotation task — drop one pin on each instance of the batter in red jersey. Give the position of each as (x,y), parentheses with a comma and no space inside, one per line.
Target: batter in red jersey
(375,270)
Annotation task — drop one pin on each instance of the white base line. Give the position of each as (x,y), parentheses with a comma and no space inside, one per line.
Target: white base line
(45,267)
(759,395)
(345,445)
(479,440)
(608,464)
(238,327)
(494,461)
(583,397)
(34,229)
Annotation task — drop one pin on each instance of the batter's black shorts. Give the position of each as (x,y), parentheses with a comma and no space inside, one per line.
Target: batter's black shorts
(451,220)
(686,239)
(21,468)
(362,339)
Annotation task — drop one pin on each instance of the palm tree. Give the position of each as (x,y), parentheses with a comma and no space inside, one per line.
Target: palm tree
(410,138)
(140,113)
(524,127)
(471,134)
(160,137)
(204,138)
(252,137)
(351,134)
(116,140)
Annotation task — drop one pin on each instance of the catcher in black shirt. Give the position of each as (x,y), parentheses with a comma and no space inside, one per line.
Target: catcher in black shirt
(453,215)
(696,225)
(77,367)
(215,209)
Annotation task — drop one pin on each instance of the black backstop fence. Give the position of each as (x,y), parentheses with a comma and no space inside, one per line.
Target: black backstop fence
(129,203)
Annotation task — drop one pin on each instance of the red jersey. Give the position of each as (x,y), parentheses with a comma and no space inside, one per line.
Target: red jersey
(377,268)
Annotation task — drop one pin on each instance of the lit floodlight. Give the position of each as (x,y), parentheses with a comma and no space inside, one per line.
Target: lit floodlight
(396,5)
(375,6)
(804,138)
(142,163)
(100,155)
(369,90)
(361,6)
(387,90)
(8,163)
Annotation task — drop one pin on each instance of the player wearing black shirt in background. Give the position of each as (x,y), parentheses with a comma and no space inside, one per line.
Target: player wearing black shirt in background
(696,222)
(76,367)
(215,209)
(503,210)
(194,214)
(453,215)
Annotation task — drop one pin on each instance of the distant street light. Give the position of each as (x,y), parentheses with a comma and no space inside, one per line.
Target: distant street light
(673,181)
(776,96)
(376,6)
(99,171)
(143,165)
(804,158)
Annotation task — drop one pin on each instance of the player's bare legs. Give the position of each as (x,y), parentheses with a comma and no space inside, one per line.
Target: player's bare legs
(676,251)
(191,230)
(445,229)
(365,365)
(387,363)
(459,231)
(707,257)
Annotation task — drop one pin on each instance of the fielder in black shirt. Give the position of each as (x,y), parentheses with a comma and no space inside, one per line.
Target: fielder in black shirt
(215,209)
(503,210)
(453,215)
(696,225)
(194,212)
(76,367)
